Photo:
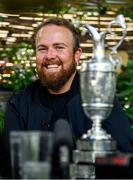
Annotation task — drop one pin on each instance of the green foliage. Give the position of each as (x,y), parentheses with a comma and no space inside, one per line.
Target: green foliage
(14,53)
(1,120)
(22,72)
(125,89)
(126,11)
(18,80)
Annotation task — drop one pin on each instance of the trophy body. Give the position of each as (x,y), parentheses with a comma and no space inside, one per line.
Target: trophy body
(98,82)
(97,85)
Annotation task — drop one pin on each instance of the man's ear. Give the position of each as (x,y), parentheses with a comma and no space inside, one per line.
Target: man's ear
(77,55)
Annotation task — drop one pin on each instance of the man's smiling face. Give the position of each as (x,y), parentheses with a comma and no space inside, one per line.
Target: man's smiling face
(55,57)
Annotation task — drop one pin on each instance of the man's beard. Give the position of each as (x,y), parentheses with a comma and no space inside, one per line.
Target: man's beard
(56,81)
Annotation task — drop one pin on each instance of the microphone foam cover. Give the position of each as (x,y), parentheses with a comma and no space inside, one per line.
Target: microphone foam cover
(63,134)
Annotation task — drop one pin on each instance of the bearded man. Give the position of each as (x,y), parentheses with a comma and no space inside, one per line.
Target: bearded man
(56,93)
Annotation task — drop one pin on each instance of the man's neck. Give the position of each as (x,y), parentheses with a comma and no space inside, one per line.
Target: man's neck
(65,88)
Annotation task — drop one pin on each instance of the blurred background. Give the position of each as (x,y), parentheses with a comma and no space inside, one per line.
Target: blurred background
(19,19)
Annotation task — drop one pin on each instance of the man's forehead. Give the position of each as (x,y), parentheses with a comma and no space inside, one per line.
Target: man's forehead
(53,33)
(54,28)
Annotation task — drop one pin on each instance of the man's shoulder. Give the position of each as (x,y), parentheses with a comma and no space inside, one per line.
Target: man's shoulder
(26,93)
(34,86)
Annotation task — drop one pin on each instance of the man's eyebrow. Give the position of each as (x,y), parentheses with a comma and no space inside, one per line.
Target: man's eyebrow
(41,45)
(55,44)
(60,44)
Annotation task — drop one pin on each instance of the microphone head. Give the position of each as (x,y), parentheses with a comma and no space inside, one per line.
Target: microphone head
(63,134)
(63,146)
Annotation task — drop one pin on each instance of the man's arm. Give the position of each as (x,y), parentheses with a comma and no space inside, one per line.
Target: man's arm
(11,122)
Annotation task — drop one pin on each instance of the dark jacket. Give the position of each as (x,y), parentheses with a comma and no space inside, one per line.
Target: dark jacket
(26,110)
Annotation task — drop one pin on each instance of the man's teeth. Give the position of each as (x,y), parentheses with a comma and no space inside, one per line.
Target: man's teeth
(52,66)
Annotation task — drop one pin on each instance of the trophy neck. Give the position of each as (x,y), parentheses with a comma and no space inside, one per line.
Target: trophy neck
(99,52)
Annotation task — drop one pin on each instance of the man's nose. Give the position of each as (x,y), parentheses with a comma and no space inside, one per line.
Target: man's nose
(51,53)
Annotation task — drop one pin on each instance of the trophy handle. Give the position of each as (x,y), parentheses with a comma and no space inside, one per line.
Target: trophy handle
(119,20)
(113,55)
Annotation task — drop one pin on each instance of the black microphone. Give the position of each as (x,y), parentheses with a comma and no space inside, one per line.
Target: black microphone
(62,149)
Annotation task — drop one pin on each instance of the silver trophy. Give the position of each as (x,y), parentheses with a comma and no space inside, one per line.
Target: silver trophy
(98,85)
(98,79)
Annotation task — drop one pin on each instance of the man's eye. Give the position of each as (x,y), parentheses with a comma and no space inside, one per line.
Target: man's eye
(59,47)
(42,49)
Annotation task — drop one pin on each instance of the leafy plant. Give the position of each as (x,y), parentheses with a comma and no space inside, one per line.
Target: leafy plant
(125,89)
(18,79)
(1,120)
(23,70)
